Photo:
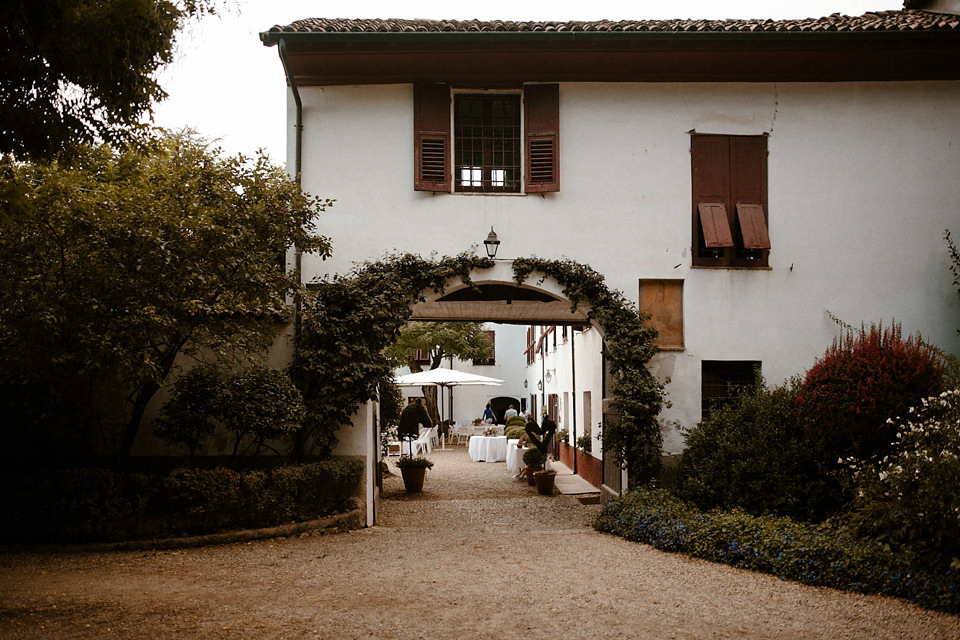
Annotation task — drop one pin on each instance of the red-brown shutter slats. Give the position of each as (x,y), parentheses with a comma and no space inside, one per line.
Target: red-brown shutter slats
(431,125)
(716,227)
(753,226)
(541,121)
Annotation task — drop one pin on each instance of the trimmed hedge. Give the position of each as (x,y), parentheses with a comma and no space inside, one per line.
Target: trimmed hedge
(806,553)
(62,506)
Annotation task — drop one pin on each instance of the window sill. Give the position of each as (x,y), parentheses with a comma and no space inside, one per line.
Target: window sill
(731,268)
(485,193)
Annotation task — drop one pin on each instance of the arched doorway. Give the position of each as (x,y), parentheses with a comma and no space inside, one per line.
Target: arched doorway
(339,354)
(493,296)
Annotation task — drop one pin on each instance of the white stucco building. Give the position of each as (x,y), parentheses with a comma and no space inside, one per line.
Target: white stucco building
(741,180)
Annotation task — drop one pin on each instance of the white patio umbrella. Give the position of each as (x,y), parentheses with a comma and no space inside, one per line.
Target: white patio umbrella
(444,378)
(441,377)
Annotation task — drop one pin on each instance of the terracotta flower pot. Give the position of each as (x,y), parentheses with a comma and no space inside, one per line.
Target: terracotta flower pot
(545,481)
(530,473)
(413,478)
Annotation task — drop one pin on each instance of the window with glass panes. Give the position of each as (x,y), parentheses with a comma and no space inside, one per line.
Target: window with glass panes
(487,143)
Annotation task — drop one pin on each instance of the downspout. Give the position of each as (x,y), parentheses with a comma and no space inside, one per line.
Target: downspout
(297,170)
(573,376)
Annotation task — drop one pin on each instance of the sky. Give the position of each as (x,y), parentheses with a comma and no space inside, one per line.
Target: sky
(227,86)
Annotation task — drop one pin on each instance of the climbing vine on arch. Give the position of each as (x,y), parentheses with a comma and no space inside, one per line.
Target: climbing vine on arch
(349,319)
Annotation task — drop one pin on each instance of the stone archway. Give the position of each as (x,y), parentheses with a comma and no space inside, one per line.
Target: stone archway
(493,296)
(354,316)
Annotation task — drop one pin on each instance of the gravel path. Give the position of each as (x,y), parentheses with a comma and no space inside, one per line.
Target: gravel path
(477,555)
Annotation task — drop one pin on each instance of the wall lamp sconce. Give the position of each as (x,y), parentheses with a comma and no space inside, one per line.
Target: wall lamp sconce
(492,243)
(539,385)
(549,376)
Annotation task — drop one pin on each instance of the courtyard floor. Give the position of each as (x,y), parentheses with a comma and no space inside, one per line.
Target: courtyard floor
(478,554)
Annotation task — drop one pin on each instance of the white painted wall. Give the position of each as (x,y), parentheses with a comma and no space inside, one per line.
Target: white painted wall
(862,183)
(580,354)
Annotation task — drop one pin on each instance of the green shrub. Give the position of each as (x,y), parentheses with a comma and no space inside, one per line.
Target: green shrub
(96,505)
(260,404)
(201,499)
(534,458)
(806,553)
(188,416)
(412,416)
(391,403)
(515,431)
(752,454)
(865,377)
(909,498)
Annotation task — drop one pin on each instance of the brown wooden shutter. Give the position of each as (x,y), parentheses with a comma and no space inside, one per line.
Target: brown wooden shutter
(431,133)
(753,226)
(715,225)
(710,160)
(748,190)
(541,122)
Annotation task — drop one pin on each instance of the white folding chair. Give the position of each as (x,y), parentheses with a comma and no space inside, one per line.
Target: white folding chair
(421,444)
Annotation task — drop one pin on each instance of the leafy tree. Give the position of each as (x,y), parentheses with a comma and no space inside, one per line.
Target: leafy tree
(76,72)
(461,340)
(120,262)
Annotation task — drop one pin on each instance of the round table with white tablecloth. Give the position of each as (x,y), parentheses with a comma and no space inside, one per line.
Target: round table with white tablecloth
(514,456)
(488,448)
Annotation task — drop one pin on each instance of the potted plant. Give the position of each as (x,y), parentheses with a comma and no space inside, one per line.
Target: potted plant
(585,443)
(534,459)
(413,470)
(545,479)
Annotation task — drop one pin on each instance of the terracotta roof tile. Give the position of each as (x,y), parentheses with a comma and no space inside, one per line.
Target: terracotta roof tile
(905,20)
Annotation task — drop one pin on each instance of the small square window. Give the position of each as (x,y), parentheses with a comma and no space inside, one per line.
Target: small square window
(721,380)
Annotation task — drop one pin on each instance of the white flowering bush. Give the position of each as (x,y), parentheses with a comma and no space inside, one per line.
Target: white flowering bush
(911,498)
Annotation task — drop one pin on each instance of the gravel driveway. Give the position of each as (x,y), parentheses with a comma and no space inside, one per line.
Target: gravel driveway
(477,555)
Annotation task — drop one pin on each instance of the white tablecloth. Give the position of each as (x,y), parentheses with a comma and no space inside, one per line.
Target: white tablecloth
(514,457)
(488,448)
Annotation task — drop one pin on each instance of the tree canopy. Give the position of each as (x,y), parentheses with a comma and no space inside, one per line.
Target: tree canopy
(76,72)
(461,340)
(438,340)
(117,263)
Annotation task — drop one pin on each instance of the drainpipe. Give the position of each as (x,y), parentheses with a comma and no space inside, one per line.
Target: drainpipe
(297,170)
(573,374)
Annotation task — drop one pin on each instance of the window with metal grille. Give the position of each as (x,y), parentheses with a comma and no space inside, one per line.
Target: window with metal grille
(487,143)
(721,380)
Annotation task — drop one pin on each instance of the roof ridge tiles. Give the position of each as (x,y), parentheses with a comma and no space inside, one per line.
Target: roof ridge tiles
(888,20)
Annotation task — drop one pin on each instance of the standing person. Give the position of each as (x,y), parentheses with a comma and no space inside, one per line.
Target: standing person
(511,412)
(488,414)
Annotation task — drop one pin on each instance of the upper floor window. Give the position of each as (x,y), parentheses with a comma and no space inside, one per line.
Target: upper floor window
(485,152)
(729,201)
(486,143)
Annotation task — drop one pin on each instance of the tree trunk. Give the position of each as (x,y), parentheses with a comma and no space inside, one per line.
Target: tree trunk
(430,402)
(142,399)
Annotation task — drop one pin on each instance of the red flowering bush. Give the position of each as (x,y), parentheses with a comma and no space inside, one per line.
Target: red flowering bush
(864,378)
